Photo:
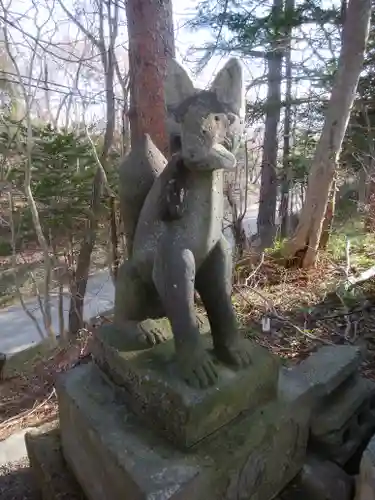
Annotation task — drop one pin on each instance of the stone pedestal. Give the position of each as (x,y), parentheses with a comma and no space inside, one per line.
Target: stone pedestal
(116,456)
(130,429)
(148,383)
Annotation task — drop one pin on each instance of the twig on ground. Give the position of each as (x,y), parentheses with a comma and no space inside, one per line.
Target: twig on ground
(26,413)
(271,308)
(346,316)
(366,275)
(253,273)
(347,255)
(347,270)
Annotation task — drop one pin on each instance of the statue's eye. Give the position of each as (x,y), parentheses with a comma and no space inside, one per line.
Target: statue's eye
(217,118)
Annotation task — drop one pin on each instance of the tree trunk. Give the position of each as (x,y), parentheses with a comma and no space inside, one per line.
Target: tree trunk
(304,245)
(370,199)
(285,183)
(362,188)
(81,275)
(368,193)
(328,218)
(268,186)
(151,42)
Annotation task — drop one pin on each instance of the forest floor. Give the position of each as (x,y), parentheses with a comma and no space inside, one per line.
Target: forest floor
(307,309)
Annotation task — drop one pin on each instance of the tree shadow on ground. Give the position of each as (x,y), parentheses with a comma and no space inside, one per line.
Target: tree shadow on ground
(17,482)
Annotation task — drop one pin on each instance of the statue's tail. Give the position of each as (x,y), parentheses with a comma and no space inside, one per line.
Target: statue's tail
(137,173)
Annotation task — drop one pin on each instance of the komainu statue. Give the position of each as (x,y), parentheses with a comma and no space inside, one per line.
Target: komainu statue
(173,213)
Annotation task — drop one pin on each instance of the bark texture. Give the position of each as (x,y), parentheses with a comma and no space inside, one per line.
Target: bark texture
(304,244)
(151,42)
(285,182)
(268,186)
(328,218)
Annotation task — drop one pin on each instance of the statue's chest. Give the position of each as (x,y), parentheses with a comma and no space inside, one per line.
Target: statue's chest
(204,196)
(200,226)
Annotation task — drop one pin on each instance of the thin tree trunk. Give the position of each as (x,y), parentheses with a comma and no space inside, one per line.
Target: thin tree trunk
(79,284)
(362,187)
(268,186)
(151,43)
(370,199)
(114,239)
(285,183)
(368,193)
(305,242)
(331,204)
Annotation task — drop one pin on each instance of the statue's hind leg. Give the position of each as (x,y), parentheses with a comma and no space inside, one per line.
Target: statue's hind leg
(136,307)
(214,284)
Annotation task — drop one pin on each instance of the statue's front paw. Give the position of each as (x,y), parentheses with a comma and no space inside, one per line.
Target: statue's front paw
(151,333)
(197,368)
(237,353)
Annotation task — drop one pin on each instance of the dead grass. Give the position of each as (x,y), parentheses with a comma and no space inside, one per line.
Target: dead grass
(307,309)
(27,396)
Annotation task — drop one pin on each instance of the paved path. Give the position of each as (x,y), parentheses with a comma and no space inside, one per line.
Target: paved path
(13,448)
(18,332)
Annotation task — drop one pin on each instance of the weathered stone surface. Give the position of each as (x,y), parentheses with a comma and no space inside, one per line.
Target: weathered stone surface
(137,174)
(175,225)
(333,413)
(294,388)
(115,457)
(326,369)
(365,482)
(341,444)
(183,414)
(53,477)
(319,480)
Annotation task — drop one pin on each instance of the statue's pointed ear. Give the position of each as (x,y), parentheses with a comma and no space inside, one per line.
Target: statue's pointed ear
(229,86)
(178,85)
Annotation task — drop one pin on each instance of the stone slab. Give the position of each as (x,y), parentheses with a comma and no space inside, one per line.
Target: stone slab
(114,456)
(54,479)
(294,388)
(326,369)
(338,409)
(320,376)
(319,479)
(184,415)
(342,444)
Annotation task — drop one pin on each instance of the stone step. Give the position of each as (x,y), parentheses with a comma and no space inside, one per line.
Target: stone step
(148,383)
(341,444)
(339,408)
(50,470)
(114,456)
(319,375)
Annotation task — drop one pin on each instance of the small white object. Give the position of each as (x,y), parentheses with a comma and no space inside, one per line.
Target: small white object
(266,324)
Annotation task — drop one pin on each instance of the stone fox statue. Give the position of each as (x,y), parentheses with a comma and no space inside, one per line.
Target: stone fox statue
(172,214)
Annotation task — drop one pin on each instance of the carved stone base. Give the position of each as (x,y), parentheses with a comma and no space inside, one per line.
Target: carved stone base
(53,478)
(115,457)
(148,383)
